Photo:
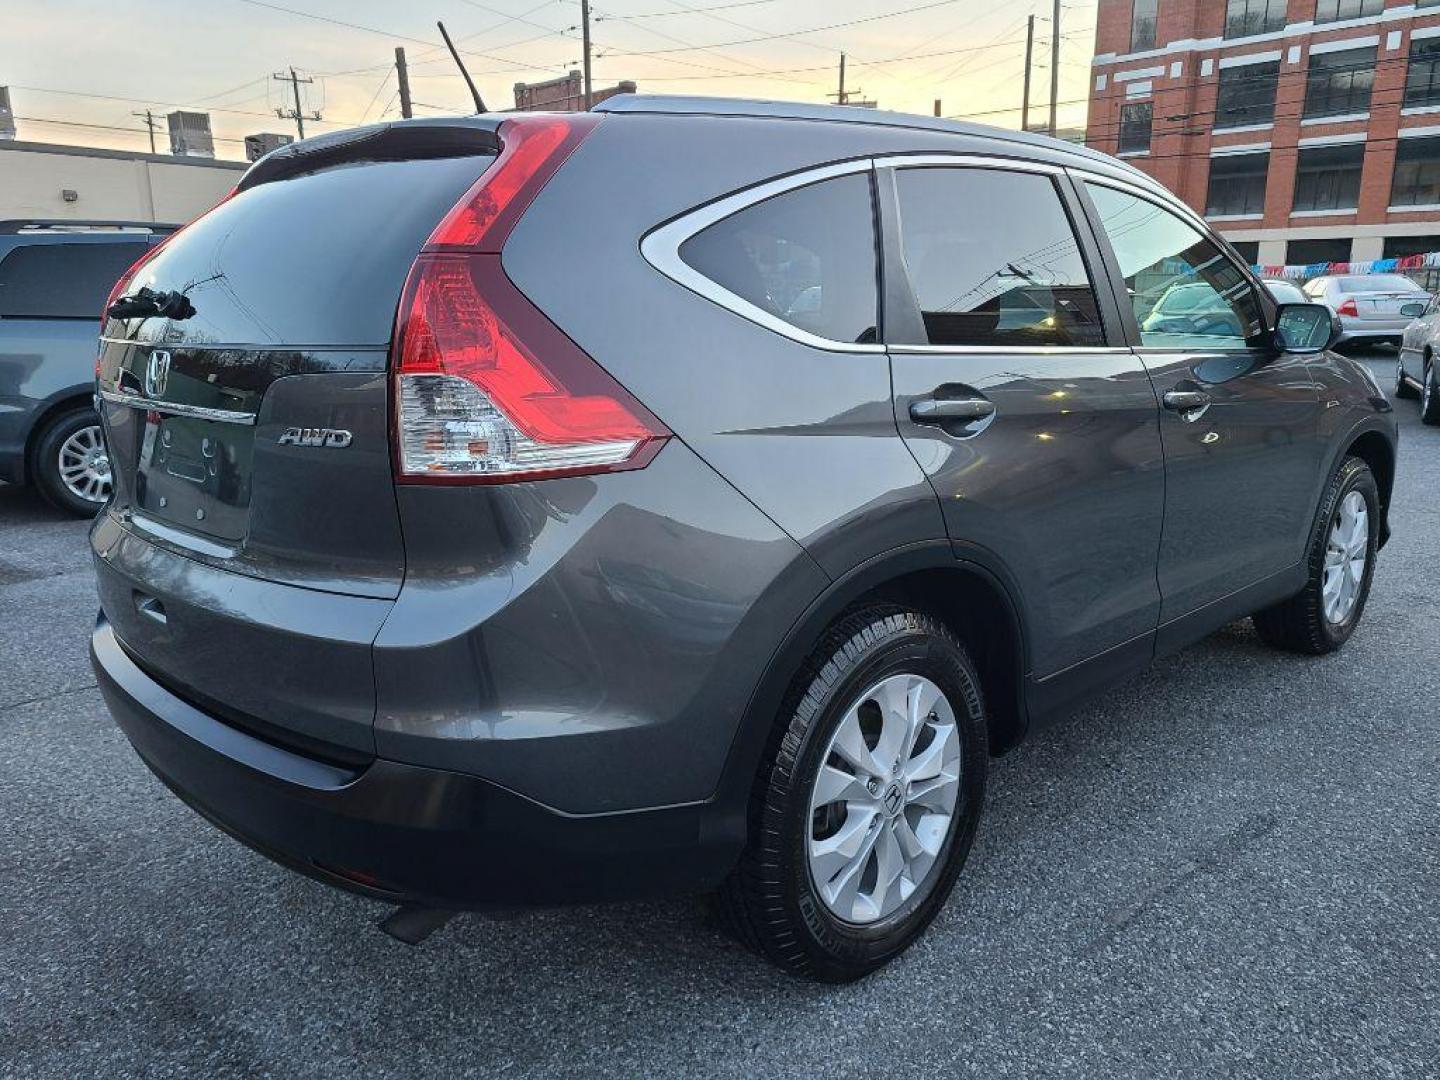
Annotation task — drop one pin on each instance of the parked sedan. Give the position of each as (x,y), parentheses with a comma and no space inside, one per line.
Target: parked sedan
(1415,369)
(1285,292)
(1369,305)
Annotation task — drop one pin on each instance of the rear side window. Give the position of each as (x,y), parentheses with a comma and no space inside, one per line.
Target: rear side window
(62,281)
(989,277)
(806,257)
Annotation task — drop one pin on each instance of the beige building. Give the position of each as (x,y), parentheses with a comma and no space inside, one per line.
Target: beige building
(45,181)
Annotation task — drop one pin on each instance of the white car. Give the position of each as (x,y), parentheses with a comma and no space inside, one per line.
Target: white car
(1369,305)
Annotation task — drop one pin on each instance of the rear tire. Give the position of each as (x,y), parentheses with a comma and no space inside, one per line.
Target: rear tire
(70,465)
(1321,617)
(814,811)
(1403,390)
(1429,396)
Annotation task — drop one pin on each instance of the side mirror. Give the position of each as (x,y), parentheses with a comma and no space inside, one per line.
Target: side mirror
(1412,311)
(1304,328)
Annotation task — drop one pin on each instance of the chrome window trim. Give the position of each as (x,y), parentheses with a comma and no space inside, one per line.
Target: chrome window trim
(1161,199)
(969,161)
(661,249)
(1015,350)
(176,408)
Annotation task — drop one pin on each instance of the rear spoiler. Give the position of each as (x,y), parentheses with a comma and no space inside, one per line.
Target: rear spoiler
(63,225)
(401,140)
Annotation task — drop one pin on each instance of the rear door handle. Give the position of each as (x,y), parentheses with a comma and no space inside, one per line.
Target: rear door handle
(1184,401)
(940,410)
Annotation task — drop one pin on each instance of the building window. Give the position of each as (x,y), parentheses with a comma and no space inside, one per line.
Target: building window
(1247,95)
(1135,124)
(1401,247)
(1335,10)
(1249,250)
(1328,177)
(1417,173)
(1246,17)
(1339,83)
(1237,184)
(1422,83)
(1142,24)
(1310,252)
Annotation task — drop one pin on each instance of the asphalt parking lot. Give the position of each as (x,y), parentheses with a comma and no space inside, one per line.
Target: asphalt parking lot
(1229,866)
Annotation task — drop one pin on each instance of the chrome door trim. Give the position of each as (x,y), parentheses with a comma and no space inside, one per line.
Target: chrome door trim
(966,161)
(1021,350)
(177,408)
(661,249)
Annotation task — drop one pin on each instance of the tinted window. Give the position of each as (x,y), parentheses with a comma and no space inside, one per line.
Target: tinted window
(1136,122)
(1310,252)
(1416,181)
(1185,292)
(1246,17)
(1237,184)
(1328,177)
(62,281)
(1142,24)
(1422,79)
(1334,10)
(1011,276)
(807,257)
(1249,250)
(1339,83)
(1286,292)
(1246,95)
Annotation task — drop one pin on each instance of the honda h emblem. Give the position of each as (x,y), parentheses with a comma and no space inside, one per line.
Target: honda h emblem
(157,373)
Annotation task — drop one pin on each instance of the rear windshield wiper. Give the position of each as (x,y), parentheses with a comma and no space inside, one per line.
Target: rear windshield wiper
(147,304)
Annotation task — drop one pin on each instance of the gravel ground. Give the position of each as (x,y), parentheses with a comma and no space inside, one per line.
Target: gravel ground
(1226,867)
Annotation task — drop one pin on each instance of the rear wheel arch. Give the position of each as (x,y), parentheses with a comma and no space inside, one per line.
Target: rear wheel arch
(975,599)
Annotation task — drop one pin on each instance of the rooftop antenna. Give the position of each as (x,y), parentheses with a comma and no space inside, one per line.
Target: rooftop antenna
(474,93)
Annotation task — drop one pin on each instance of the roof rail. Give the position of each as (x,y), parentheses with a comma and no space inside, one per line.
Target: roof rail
(62,225)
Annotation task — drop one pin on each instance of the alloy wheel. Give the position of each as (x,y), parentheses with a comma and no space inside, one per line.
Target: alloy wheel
(1346,552)
(84,465)
(884,799)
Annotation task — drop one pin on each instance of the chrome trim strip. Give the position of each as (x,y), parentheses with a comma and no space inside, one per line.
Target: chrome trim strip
(967,161)
(176,408)
(1014,350)
(180,538)
(661,249)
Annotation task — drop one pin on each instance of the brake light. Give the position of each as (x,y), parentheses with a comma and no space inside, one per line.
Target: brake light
(1348,308)
(486,388)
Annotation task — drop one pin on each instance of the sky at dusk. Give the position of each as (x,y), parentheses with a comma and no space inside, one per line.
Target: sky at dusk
(78,68)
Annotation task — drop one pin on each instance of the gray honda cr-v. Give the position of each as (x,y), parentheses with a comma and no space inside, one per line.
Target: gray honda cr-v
(692,496)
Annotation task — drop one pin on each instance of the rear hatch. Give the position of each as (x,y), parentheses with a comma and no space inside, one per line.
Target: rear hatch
(253,546)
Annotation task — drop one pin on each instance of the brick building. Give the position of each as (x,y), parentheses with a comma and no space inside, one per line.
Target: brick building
(565,94)
(1306,130)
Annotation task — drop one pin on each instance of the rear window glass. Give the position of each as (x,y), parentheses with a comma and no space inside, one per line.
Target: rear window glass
(62,281)
(1377,283)
(315,259)
(987,278)
(806,257)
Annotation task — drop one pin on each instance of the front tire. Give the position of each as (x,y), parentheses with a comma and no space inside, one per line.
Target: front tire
(867,801)
(1429,396)
(1403,390)
(1341,562)
(70,466)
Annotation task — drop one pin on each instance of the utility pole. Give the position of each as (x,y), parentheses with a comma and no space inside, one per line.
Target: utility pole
(1029,55)
(937,106)
(298,115)
(150,125)
(402,75)
(585,44)
(1054,66)
(840,98)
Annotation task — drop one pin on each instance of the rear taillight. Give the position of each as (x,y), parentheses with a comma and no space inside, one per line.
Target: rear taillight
(486,388)
(1348,308)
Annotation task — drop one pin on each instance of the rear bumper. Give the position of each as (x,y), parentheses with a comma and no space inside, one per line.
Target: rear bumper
(401,832)
(1392,330)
